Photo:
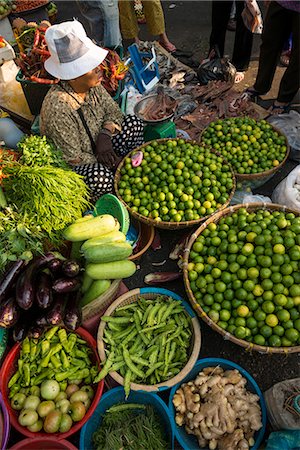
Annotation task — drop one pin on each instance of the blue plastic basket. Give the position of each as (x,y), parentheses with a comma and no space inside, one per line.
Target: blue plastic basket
(117,395)
(189,442)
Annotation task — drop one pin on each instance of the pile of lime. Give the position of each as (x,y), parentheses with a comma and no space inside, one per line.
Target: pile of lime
(177,181)
(244,272)
(250,146)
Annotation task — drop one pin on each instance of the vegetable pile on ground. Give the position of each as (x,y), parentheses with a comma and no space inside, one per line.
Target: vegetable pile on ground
(147,341)
(34,185)
(114,70)
(31,39)
(104,251)
(46,289)
(6,6)
(244,272)
(250,146)
(177,181)
(25,5)
(130,426)
(52,385)
(217,408)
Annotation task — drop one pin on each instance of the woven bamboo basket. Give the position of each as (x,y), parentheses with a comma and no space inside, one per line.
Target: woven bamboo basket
(254,180)
(201,313)
(151,293)
(162,224)
(102,302)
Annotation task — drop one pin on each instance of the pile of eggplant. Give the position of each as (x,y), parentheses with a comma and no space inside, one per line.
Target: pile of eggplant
(40,293)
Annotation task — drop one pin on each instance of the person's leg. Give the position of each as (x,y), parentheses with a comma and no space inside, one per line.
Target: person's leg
(289,84)
(128,19)
(112,34)
(242,41)
(98,178)
(131,136)
(276,28)
(93,13)
(156,22)
(219,19)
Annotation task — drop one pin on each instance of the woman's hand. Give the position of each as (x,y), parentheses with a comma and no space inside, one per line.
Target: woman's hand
(105,153)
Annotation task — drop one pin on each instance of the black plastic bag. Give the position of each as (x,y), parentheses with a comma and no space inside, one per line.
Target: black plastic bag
(216,68)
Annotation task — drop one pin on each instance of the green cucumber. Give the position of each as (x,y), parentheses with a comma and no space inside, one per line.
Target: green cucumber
(86,282)
(116,251)
(111,270)
(97,288)
(114,236)
(90,228)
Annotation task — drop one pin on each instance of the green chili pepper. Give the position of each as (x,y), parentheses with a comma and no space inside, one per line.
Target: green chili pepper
(130,364)
(64,360)
(33,350)
(106,368)
(63,338)
(13,379)
(26,373)
(20,365)
(63,386)
(78,362)
(33,369)
(55,361)
(50,333)
(80,353)
(72,340)
(15,388)
(45,347)
(65,375)
(26,347)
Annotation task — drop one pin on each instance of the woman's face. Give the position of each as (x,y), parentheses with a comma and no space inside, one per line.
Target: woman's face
(88,80)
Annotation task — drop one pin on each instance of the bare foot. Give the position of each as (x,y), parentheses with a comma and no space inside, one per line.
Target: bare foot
(239,76)
(166,44)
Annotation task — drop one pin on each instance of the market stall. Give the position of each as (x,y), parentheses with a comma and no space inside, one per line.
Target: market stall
(156,317)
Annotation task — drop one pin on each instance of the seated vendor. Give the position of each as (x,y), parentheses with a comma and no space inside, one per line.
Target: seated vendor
(79,115)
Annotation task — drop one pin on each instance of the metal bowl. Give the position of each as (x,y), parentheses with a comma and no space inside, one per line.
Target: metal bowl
(142,103)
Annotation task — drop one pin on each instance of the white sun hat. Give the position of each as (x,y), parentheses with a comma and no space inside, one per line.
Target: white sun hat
(72,53)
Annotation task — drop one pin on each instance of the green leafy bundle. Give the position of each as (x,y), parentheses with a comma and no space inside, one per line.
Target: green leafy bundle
(50,196)
(130,429)
(20,237)
(39,151)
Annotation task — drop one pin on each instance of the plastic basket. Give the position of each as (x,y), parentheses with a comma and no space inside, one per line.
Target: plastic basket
(151,293)
(8,369)
(4,424)
(117,395)
(110,204)
(46,443)
(189,442)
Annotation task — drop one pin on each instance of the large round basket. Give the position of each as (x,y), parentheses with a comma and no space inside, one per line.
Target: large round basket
(162,224)
(151,293)
(254,180)
(201,313)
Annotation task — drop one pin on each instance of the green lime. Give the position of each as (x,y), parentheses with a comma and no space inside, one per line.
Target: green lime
(266,331)
(272,320)
(292,334)
(274,341)
(259,339)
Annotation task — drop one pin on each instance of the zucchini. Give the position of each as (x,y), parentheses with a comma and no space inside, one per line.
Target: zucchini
(111,270)
(91,228)
(97,288)
(113,236)
(116,251)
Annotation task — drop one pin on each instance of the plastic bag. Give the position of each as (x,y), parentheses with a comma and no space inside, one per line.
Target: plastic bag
(248,197)
(288,191)
(216,68)
(251,16)
(133,96)
(289,124)
(284,440)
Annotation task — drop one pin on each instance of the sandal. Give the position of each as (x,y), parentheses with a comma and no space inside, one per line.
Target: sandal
(169,47)
(276,110)
(250,94)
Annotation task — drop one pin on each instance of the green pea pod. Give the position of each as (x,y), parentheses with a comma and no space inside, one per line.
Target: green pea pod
(174,335)
(146,314)
(106,368)
(172,351)
(168,311)
(153,356)
(139,360)
(138,326)
(130,336)
(130,365)
(117,366)
(167,351)
(137,345)
(114,327)
(123,334)
(152,369)
(161,311)
(152,315)
(127,380)
(13,379)
(119,320)
(155,327)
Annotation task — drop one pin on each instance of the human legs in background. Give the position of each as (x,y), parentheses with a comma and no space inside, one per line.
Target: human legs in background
(103,19)
(242,41)
(98,178)
(231,26)
(219,19)
(131,136)
(93,13)
(279,23)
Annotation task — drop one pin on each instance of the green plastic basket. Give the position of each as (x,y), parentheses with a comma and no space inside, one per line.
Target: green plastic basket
(110,204)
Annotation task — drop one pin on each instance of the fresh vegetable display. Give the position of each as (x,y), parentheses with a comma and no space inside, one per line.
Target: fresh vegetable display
(147,341)
(6,6)
(244,273)
(39,151)
(249,145)
(105,253)
(131,426)
(51,388)
(49,295)
(2,42)
(217,408)
(113,70)
(25,5)
(176,181)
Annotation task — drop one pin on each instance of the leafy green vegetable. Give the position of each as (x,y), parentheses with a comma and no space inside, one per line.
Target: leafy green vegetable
(50,197)
(130,429)
(20,237)
(40,151)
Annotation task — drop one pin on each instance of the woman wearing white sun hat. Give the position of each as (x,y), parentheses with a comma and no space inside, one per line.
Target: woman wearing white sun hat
(79,115)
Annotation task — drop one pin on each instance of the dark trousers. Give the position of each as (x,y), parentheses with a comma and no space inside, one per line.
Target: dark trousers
(243,37)
(278,25)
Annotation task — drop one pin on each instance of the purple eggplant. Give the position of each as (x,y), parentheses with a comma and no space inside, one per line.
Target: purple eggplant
(55,314)
(43,294)
(42,319)
(71,268)
(10,277)
(65,285)
(9,313)
(25,291)
(35,331)
(20,330)
(55,265)
(73,313)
